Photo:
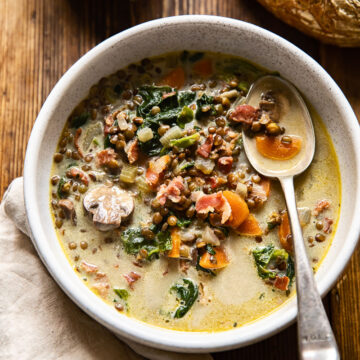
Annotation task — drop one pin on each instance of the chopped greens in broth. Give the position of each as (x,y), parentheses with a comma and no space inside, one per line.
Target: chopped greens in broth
(159,211)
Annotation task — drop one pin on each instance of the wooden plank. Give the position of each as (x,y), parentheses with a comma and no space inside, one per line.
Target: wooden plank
(41,39)
(343,66)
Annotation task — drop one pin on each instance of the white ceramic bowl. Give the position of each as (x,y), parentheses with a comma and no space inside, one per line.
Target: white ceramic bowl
(192,33)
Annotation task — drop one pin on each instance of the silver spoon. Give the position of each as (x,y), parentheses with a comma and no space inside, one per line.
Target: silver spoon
(315,337)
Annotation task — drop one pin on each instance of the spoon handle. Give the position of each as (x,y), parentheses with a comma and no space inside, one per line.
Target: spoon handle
(315,336)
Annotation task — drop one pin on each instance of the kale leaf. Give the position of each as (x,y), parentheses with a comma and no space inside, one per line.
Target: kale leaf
(122,293)
(152,96)
(134,241)
(204,100)
(186,292)
(186,97)
(79,120)
(61,194)
(268,258)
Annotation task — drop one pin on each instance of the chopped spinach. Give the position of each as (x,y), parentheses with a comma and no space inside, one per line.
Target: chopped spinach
(122,293)
(267,259)
(186,97)
(134,241)
(79,120)
(204,100)
(153,146)
(61,194)
(183,222)
(107,143)
(186,292)
(210,249)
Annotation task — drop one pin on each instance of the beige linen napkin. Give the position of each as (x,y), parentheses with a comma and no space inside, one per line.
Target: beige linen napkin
(37,320)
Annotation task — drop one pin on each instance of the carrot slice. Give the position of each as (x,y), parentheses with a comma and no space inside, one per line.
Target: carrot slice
(265,184)
(285,232)
(217,261)
(175,78)
(273,148)
(250,227)
(203,68)
(239,209)
(175,239)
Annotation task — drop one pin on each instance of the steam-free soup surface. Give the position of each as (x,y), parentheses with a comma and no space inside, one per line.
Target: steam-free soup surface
(157,208)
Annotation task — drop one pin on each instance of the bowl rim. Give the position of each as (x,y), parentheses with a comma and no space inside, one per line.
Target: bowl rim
(148,334)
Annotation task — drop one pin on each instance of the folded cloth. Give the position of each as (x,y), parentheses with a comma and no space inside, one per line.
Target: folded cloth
(37,320)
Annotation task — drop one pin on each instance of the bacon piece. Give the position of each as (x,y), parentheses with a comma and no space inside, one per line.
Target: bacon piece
(168,94)
(156,169)
(321,206)
(327,225)
(89,268)
(171,191)
(225,163)
(132,151)
(205,149)
(104,157)
(101,285)
(245,114)
(210,203)
(131,278)
(258,191)
(76,173)
(282,282)
(76,142)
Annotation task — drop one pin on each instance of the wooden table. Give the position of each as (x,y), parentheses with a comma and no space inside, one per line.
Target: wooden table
(40,39)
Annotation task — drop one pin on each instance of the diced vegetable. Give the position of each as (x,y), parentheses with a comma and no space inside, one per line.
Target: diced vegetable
(304,215)
(145,134)
(185,116)
(176,242)
(239,209)
(206,166)
(128,173)
(285,232)
(173,133)
(186,292)
(250,227)
(203,68)
(217,261)
(91,134)
(209,237)
(175,78)
(274,148)
(142,184)
(185,141)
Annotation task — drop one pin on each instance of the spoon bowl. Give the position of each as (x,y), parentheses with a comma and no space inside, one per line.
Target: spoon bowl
(291,102)
(315,337)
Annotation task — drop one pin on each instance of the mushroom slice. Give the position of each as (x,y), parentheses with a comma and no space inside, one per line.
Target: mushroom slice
(108,206)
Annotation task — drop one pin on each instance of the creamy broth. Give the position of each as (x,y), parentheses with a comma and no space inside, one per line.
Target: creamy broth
(229,297)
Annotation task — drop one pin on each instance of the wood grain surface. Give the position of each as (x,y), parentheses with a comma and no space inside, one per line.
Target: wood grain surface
(40,40)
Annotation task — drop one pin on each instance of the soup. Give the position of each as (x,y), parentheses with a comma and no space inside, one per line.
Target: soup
(157,208)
